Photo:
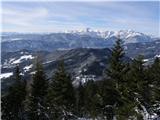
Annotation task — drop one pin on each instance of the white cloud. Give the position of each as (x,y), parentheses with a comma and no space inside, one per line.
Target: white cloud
(23,18)
(37,20)
(60,16)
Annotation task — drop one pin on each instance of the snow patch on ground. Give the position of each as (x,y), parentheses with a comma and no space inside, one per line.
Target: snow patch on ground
(27,68)
(145,60)
(33,72)
(22,53)
(25,57)
(157,56)
(48,62)
(11,60)
(22,74)
(5,75)
(15,39)
(85,78)
(101,64)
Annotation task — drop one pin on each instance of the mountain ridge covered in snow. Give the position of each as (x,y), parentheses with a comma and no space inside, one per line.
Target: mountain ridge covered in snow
(70,40)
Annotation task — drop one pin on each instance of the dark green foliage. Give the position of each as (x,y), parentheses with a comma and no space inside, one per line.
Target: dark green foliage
(137,74)
(36,107)
(92,99)
(61,96)
(12,103)
(116,67)
(117,94)
(139,82)
(109,97)
(125,92)
(115,80)
(80,99)
(154,75)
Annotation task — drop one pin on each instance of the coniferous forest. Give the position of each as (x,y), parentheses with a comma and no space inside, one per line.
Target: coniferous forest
(127,91)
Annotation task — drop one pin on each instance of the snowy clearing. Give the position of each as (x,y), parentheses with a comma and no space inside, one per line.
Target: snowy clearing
(27,68)
(5,75)
(25,57)
(157,56)
(145,60)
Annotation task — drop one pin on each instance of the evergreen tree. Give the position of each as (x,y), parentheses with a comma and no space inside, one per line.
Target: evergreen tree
(117,69)
(137,74)
(92,100)
(109,97)
(154,76)
(36,106)
(61,96)
(140,90)
(115,77)
(80,91)
(12,103)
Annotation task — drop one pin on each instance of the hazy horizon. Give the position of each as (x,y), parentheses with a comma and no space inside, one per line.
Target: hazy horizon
(48,17)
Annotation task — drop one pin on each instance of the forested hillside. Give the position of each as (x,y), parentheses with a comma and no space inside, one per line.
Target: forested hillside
(127,91)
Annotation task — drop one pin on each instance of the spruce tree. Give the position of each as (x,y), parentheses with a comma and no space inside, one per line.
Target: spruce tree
(154,76)
(37,96)
(80,91)
(140,90)
(12,102)
(137,74)
(92,100)
(61,96)
(109,97)
(115,76)
(117,68)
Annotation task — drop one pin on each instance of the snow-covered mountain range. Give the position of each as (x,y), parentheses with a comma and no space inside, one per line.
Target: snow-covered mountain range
(129,36)
(68,40)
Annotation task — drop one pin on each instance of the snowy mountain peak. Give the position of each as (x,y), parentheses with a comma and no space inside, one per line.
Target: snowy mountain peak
(124,34)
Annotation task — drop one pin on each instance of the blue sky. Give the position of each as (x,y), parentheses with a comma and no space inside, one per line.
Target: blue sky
(61,16)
